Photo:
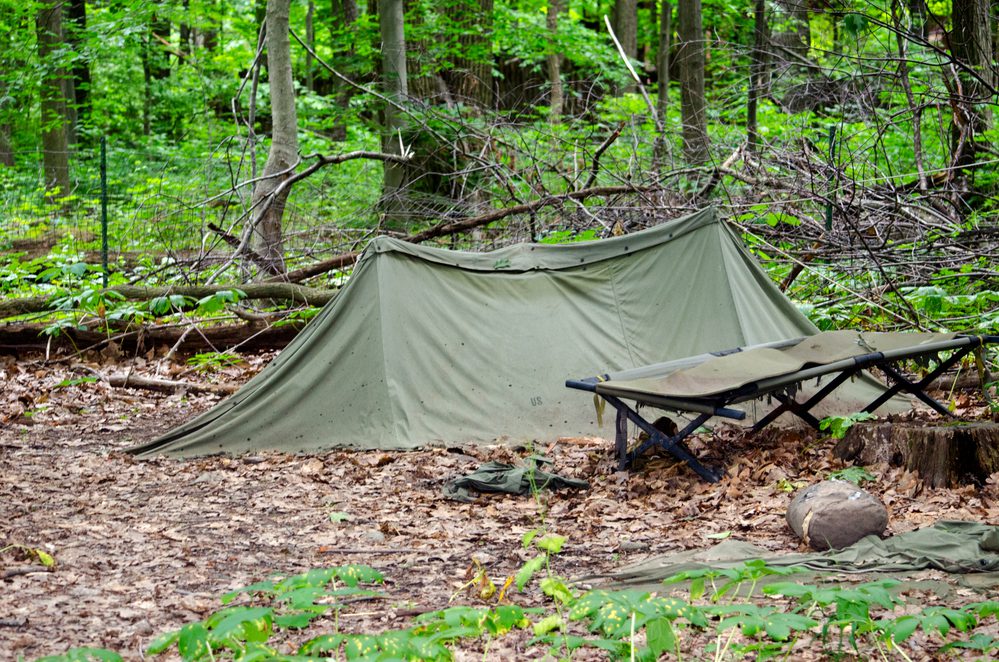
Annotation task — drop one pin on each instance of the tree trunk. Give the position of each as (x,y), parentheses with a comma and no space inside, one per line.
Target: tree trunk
(554,62)
(186,42)
(55,143)
(344,15)
(626,28)
(662,58)
(283,154)
(310,39)
(756,68)
(690,58)
(159,57)
(6,150)
(473,61)
(77,16)
(944,455)
(971,44)
(396,88)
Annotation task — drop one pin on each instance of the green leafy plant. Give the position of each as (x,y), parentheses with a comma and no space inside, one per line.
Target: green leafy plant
(32,553)
(855,475)
(837,426)
(288,604)
(84,654)
(212,361)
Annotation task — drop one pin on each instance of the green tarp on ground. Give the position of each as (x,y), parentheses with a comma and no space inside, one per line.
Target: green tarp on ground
(950,546)
(425,345)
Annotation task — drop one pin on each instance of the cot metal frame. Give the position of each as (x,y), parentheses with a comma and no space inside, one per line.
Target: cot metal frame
(781,388)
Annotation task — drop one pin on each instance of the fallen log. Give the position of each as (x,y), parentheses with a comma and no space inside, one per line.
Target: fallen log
(301,294)
(944,455)
(20,338)
(166,385)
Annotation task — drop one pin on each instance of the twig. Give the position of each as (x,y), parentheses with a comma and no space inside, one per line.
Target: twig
(595,167)
(25,570)
(356,550)
(653,113)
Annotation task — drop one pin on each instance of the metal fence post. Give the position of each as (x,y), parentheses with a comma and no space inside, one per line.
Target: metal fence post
(832,178)
(104,208)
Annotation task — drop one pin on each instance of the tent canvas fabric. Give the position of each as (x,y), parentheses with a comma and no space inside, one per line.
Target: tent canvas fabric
(429,346)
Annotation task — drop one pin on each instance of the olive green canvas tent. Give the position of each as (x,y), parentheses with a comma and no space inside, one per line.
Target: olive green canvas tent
(428,346)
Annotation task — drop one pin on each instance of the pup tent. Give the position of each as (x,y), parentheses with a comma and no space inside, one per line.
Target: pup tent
(428,346)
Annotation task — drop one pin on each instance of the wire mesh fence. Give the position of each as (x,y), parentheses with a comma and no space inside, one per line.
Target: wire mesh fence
(167,205)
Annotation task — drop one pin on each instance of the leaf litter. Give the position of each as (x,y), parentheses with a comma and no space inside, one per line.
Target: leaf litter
(143,547)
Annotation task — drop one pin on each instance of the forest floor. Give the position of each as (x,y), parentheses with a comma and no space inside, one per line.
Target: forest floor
(143,547)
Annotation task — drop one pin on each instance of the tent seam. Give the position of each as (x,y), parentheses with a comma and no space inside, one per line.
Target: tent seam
(620,318)
(381,342)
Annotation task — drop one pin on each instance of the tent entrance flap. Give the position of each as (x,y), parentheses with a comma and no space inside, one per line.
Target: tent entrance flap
(709,384)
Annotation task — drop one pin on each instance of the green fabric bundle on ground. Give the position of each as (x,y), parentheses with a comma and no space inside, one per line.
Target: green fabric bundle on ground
(510,479)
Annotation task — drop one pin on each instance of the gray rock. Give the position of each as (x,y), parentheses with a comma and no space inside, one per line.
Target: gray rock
(835,514)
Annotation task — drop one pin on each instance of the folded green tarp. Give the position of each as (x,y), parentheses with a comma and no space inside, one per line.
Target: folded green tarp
(509,479)
(949,546)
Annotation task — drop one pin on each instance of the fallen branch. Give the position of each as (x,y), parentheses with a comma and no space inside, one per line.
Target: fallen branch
(166,385)
(19,338)
(444,229)
(270,290)
(25,570)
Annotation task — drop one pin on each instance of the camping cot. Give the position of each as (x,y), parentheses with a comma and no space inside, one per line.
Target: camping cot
(710,384)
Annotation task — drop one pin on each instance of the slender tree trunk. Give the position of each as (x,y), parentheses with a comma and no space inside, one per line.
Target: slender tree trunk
(396,88)
(971,44)
(283,154)
(55,143)
(901,45)
(554,62)
(77,17)
(186,42)
(344,15)
(310,39)
(756,67)
(625,24)
(147,84)
(159,57)
(6,150)
(472,78)
(662,57)
(690,58)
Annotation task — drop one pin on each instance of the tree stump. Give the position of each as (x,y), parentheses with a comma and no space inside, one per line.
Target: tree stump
(944,455)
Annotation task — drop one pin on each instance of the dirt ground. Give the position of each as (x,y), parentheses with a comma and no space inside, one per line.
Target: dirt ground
(142,547)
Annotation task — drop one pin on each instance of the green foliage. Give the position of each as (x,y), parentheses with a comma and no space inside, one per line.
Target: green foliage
(855,475)
(837,426)
(83,655)
(568,236)
(613,619)
(292,603)
(212,361)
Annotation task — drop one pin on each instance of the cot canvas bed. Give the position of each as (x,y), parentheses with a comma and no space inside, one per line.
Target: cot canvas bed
(710,384)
